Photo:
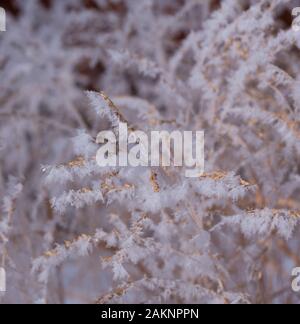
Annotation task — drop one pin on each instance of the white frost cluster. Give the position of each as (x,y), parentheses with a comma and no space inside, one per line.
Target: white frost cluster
(72,232)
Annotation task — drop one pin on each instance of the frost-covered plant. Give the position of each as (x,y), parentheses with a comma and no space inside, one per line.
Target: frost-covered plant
(71,231)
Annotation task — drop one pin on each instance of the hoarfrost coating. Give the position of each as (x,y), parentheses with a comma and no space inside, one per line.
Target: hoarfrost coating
(74,232)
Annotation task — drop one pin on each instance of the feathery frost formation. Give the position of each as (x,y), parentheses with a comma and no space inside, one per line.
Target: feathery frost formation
(71,231)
